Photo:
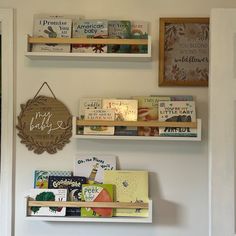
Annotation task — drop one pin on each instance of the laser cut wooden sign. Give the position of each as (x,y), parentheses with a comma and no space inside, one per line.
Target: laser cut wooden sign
(44,124)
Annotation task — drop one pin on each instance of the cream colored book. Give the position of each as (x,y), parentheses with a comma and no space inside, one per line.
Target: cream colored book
(130,186)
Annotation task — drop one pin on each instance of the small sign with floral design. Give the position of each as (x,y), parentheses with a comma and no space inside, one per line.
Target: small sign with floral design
(184,52)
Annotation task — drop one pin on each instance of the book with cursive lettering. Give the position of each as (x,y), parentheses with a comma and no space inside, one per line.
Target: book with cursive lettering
(74,186)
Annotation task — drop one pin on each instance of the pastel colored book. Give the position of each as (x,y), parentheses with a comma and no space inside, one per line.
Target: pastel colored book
(139,30)
(97,193)
(47,195)
(90,29)
(74,186)
(92,166)
(148,111)
(130,186)
(125,110)
(41,177)
(119,30)
(52,27)
(103,115)
(177,111)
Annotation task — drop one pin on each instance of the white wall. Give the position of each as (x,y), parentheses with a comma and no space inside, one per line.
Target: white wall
(179,170)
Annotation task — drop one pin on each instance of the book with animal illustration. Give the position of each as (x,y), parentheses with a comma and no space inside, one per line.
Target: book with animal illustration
(84,104)
(177,111)
(119,30)
(41,177)
(47,195)
(90,29)
(74,186)
(97,193)
(125,110)
(99,114)
(52,27)
(148,111)
(130,186)
(92,166)
(139,30)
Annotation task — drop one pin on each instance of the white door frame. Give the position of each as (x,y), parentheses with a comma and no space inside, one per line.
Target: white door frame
(6,174)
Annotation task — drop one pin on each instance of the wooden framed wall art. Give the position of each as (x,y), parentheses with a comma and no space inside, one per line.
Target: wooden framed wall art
(184,52)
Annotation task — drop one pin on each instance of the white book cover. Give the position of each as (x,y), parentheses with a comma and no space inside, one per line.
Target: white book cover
(103,115)
(90,29)
(177,111)
(47,195)
(92,166)
(140,29)
(52,27)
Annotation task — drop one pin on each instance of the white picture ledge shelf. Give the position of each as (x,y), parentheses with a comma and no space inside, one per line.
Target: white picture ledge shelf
(88,56)
(113,219)
(197,125)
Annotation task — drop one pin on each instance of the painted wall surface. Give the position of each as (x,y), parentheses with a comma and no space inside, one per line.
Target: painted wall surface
(178,170)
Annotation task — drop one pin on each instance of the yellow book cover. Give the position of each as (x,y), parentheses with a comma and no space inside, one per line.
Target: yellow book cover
(130,186)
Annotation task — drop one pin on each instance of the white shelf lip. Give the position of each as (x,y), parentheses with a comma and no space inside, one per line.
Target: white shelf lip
(141,138)
(92,56)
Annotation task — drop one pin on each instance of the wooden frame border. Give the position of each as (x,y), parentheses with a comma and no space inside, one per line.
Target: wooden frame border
(163,21)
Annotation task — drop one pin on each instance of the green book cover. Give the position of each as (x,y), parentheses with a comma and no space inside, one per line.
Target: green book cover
(97,193)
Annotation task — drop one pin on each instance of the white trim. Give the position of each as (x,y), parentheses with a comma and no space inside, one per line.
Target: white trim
(6,180)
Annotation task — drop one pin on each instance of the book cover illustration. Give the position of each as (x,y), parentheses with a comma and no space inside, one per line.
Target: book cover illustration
(41,177)
(97,193)
(50,27)
(84,104)
(47,195)
(90,29)
(139,30)
(177,111)
(103,115)
(148,111)
(92,166)
(74,186)
(125,110)
(130,186)
(119,30)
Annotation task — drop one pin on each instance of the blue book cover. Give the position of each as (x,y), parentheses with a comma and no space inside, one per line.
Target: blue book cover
(74,187)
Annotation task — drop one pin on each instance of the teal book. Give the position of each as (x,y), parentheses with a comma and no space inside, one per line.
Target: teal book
(119,30)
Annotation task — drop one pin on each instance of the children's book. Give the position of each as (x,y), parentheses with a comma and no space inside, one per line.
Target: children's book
(103,115)
(74,187)
(148,111)
(97,193)
(177,111)
(41,177)
(178,97)
(90,29)
(130,186)
(47,195)
(125,110)
(92,166)
(52,27)
(139,30)
(119,30)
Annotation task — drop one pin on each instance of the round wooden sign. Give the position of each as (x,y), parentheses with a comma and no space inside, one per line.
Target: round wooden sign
(44,124)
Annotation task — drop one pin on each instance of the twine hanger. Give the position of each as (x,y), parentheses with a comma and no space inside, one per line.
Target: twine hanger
(45,83)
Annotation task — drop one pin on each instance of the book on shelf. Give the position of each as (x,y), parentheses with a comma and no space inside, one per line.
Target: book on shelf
(125,110)
(90,29)
(177,111)
(47,195)
(74,186)
(120,30)
(139,30)
(51,27)
(41,177)
(85,104)
(130,186)
(97,193)
(92,166)
(103,115)
(178,97)
(148,111)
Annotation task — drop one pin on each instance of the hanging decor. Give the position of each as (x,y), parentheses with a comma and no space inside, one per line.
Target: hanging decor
(44,124)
